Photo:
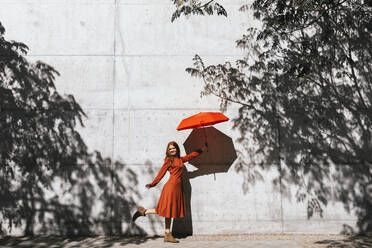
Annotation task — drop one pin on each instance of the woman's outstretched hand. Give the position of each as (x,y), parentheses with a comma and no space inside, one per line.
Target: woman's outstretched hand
(205,147)
(148,186)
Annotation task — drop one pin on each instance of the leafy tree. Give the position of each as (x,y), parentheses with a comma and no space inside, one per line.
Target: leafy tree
(305,92)
(194,7)
(44,159)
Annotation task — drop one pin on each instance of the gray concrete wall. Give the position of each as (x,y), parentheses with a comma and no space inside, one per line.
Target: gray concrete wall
(124,62)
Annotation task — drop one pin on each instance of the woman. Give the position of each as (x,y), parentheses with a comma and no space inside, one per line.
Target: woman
(172,200)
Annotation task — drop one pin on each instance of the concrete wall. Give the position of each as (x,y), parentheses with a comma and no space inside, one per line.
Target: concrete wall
(124,62)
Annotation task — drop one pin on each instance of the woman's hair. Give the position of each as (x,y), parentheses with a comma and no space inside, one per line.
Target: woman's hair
(167,155)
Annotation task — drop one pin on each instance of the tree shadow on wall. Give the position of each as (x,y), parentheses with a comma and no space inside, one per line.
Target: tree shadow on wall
(305,97)
(327,157)
(323,154)
(50,182)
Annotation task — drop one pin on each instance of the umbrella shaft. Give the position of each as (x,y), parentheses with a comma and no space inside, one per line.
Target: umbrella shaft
(205,135)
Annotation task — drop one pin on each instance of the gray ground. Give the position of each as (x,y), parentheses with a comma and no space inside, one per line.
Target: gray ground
(199,241)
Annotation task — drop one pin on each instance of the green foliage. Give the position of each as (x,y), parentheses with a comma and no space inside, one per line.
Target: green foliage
(196,7)
(305,95)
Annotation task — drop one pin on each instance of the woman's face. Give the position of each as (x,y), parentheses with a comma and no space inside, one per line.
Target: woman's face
(172,150)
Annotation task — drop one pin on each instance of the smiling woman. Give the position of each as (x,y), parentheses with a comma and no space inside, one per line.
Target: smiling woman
(172,199)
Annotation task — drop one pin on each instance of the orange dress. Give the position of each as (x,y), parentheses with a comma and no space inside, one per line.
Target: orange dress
(172,199)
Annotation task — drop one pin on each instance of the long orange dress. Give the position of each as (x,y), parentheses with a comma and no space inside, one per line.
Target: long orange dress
(172,199)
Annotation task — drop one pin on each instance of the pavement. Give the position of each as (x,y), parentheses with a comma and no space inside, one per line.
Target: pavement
(223,244)
(195,241)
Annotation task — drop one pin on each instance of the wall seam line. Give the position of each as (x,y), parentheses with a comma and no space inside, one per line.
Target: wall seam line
(113,115)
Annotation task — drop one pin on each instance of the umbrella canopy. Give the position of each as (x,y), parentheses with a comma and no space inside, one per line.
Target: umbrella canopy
(221,151)
(201,120)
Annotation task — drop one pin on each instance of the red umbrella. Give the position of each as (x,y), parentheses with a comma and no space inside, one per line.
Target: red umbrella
(201,120)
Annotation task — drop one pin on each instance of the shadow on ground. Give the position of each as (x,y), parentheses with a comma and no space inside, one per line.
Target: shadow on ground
(55,241)
(273,240)
(350,242)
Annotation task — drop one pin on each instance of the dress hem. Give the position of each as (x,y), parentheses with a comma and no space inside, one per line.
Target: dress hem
(171,217)
(163,215)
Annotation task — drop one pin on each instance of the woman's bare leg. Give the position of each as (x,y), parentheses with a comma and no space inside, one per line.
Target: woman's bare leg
(167,224)
(150,211)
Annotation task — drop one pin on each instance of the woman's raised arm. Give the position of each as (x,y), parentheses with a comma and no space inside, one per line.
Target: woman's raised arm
(194,154)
